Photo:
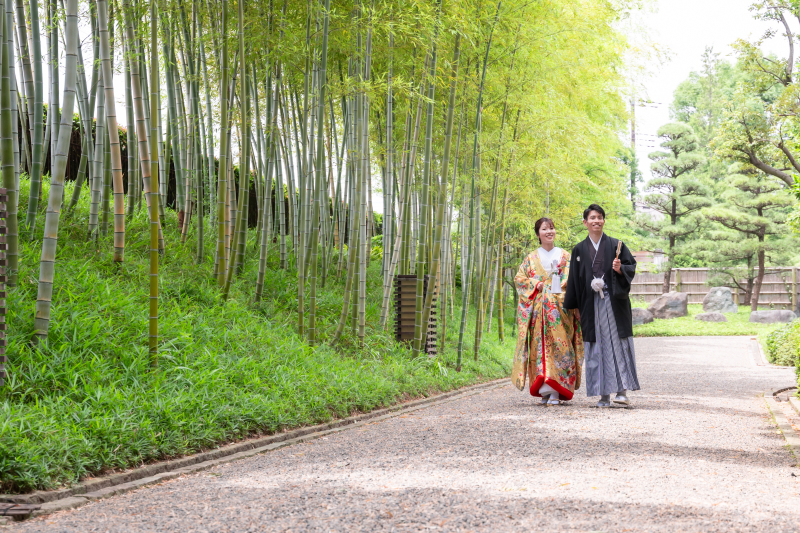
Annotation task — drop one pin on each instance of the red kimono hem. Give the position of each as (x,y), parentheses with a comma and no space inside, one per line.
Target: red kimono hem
(563,393)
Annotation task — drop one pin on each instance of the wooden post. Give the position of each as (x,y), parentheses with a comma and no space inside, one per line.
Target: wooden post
(736,295)
(794,289)
(405,287)
(3,216)
(677,280)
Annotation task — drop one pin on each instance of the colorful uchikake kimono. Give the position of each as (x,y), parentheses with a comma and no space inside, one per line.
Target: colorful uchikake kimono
(546,330)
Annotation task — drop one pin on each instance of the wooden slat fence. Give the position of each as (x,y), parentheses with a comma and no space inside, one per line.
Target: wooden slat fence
(779,289)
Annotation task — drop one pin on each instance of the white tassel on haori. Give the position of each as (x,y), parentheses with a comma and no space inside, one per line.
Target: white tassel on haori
(597,286)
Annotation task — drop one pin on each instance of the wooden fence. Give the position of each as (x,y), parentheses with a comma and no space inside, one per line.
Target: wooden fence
(779,289)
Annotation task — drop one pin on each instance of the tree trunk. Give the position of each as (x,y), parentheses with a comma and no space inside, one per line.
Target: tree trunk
(760,277)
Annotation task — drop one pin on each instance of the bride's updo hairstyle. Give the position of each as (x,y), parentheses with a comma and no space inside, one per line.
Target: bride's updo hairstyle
(539,223)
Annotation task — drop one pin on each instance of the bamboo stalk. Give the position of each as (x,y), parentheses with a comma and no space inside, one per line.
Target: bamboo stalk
(153,192)
(442,204)
(500,318)
(49,242)
(142,136)
(421,328)
(320,173)
(115,156)
(222,182)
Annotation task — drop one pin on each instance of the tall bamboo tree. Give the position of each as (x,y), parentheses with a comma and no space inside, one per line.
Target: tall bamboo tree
(49,242)
(222,182)
(104,20)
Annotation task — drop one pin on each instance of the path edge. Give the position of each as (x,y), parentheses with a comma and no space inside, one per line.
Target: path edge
(760,358)
(789,434)
(119,483)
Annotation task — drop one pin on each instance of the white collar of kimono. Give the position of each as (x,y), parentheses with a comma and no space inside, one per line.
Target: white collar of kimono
(596,244)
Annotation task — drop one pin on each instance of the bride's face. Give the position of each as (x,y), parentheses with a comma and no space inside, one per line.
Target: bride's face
(547,233)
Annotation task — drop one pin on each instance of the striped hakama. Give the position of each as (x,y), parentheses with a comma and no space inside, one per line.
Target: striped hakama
(611,361)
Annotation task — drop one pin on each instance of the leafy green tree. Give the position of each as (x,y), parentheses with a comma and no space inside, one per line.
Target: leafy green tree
(675,192)
(759,123)
(755,206)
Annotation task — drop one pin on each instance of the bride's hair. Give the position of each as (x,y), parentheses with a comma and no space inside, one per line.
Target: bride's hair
(539,223)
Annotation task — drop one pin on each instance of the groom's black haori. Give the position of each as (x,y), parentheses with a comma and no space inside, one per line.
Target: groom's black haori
(580,295)
(602,296)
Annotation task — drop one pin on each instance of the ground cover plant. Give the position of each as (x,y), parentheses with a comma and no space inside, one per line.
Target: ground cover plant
(85,400)
(737,324)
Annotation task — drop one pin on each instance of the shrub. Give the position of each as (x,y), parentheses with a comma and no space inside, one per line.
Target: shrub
(783,344)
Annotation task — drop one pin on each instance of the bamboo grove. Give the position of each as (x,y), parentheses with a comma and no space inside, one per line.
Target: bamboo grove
(464,120)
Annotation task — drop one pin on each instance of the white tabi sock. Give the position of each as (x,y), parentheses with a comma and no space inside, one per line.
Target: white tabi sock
(547,389)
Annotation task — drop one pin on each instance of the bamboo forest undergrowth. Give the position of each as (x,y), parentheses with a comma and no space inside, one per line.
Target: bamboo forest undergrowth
(85,401)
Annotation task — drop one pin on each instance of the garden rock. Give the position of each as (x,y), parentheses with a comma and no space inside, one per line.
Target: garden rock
(773,316)
(670,305)
(711,317)
(641,316)
(719,299)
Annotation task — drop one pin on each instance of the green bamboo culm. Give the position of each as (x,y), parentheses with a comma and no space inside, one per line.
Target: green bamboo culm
(472,207)
(237,247)
(500,303)
(441,209)
(420,328)
(38,117)
(130,138)
(7,158)
(320,171)
(245,152)
(114,158)
(222,182)
(106,197)
(154,193)
(49,242)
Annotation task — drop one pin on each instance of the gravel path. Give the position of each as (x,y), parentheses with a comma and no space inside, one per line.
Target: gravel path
(698,452)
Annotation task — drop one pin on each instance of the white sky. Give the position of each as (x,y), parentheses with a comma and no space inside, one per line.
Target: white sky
(685,28)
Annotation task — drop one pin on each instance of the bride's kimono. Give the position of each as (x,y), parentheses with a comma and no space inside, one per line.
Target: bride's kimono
(546,330)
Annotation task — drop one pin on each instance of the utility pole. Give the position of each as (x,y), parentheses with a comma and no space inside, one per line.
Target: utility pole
(634,162)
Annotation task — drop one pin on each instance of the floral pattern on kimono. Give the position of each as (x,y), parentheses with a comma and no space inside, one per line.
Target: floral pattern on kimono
(546,330)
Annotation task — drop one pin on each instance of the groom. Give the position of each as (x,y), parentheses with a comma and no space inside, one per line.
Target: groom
(598,287)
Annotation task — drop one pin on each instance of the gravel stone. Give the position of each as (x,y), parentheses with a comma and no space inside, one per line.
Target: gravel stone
(697,452)
(711,317)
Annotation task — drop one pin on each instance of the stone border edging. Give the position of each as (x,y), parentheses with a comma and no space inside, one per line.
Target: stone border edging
(760,357)
(113,484)
(794,401)
(785,427)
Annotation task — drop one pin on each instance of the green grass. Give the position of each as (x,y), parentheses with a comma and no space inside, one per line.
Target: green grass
(85,402)
(737,324)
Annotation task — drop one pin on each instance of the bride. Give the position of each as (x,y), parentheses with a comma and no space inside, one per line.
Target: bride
(549,347)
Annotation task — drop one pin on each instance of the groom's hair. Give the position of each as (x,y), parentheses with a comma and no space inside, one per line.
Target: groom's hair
(593,207)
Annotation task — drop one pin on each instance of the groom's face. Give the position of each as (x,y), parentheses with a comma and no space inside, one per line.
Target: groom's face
(594,222)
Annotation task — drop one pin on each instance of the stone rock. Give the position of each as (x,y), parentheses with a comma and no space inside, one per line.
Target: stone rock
(772,316)
(670,305)
(711,317)
(719,299)
(641,316)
